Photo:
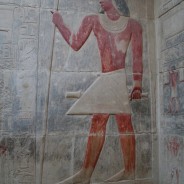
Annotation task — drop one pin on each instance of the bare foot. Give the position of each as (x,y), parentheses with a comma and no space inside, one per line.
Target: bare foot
(82,177)
(122,175)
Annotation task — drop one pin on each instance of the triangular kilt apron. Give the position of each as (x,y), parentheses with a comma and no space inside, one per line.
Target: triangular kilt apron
(107,95)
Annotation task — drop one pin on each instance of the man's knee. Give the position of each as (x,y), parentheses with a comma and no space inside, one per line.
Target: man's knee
(124,123)
(99,121)
(124,118)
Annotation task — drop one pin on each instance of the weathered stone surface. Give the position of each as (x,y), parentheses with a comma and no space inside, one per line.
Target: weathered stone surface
(120,182)
(147,181)
(172,39)
(19,91)
(173,124)
(90,6)
(175,106)
(58,162)
(46,40)
(144,156)
(170,55)
(31,3)
(110,161)
(172,159)
(49,4)
(18,160)
(166,5)
(59,105)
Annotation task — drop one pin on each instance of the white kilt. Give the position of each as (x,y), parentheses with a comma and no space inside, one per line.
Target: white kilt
(107,95)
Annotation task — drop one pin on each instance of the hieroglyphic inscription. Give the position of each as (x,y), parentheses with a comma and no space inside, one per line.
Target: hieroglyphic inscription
(7,56)
(27,29)
(16,2)
(7,49)
(173,146)
(18,52)
(23,153)
(173,54)
(31,3)
(82,6)
(175,176)
(173,89)
(173,78)
(166,5)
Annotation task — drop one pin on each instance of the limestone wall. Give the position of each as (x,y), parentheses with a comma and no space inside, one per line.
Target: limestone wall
(170,26)
(39,143)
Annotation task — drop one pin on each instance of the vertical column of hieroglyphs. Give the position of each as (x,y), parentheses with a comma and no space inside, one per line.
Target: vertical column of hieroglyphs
(18,69)
(171,83)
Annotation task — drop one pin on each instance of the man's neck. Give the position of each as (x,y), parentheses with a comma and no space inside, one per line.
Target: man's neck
(112,14)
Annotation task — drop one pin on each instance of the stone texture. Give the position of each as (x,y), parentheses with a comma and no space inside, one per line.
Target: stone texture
(170,53)
(172,157)
(110,161)
(18,161)
(144,156)
(166,5)
(58,158)
(30,3)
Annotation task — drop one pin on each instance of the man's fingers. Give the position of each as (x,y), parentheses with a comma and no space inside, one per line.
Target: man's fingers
(135,95)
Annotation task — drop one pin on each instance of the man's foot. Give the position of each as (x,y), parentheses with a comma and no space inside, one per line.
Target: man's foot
(122,175)
(79,178)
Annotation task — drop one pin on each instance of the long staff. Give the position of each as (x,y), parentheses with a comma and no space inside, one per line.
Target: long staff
(45,124)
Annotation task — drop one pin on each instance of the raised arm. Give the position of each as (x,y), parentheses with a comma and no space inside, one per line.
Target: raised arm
(136,41)
(76,41)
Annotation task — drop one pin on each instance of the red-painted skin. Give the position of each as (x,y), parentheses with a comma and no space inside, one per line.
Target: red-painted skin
(173,146)
(173,75)
(175,176)
(97,133)
(3,150)
(173,80)
(112,58)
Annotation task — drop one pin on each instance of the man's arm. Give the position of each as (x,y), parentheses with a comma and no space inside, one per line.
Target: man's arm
(136,41)
(76,41)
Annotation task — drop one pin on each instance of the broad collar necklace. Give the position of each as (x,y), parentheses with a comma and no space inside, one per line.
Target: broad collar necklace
(115,26)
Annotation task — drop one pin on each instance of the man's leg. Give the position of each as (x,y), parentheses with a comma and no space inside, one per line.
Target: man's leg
(127,141)
(94,146)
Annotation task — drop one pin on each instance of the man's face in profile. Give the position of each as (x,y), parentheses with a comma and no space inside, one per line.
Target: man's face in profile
(106,4)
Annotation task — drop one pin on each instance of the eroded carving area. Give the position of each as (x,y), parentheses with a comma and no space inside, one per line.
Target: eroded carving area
(18,68)
(171,93)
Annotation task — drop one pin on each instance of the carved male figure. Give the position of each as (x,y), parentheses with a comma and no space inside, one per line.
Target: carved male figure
(174,102)
(173,82)
(114,31)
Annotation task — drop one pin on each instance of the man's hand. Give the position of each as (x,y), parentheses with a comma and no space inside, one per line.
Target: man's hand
(56,19)
(136,91)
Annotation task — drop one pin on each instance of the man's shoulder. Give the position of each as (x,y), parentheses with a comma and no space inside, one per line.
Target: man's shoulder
(135,24)
(91,17)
